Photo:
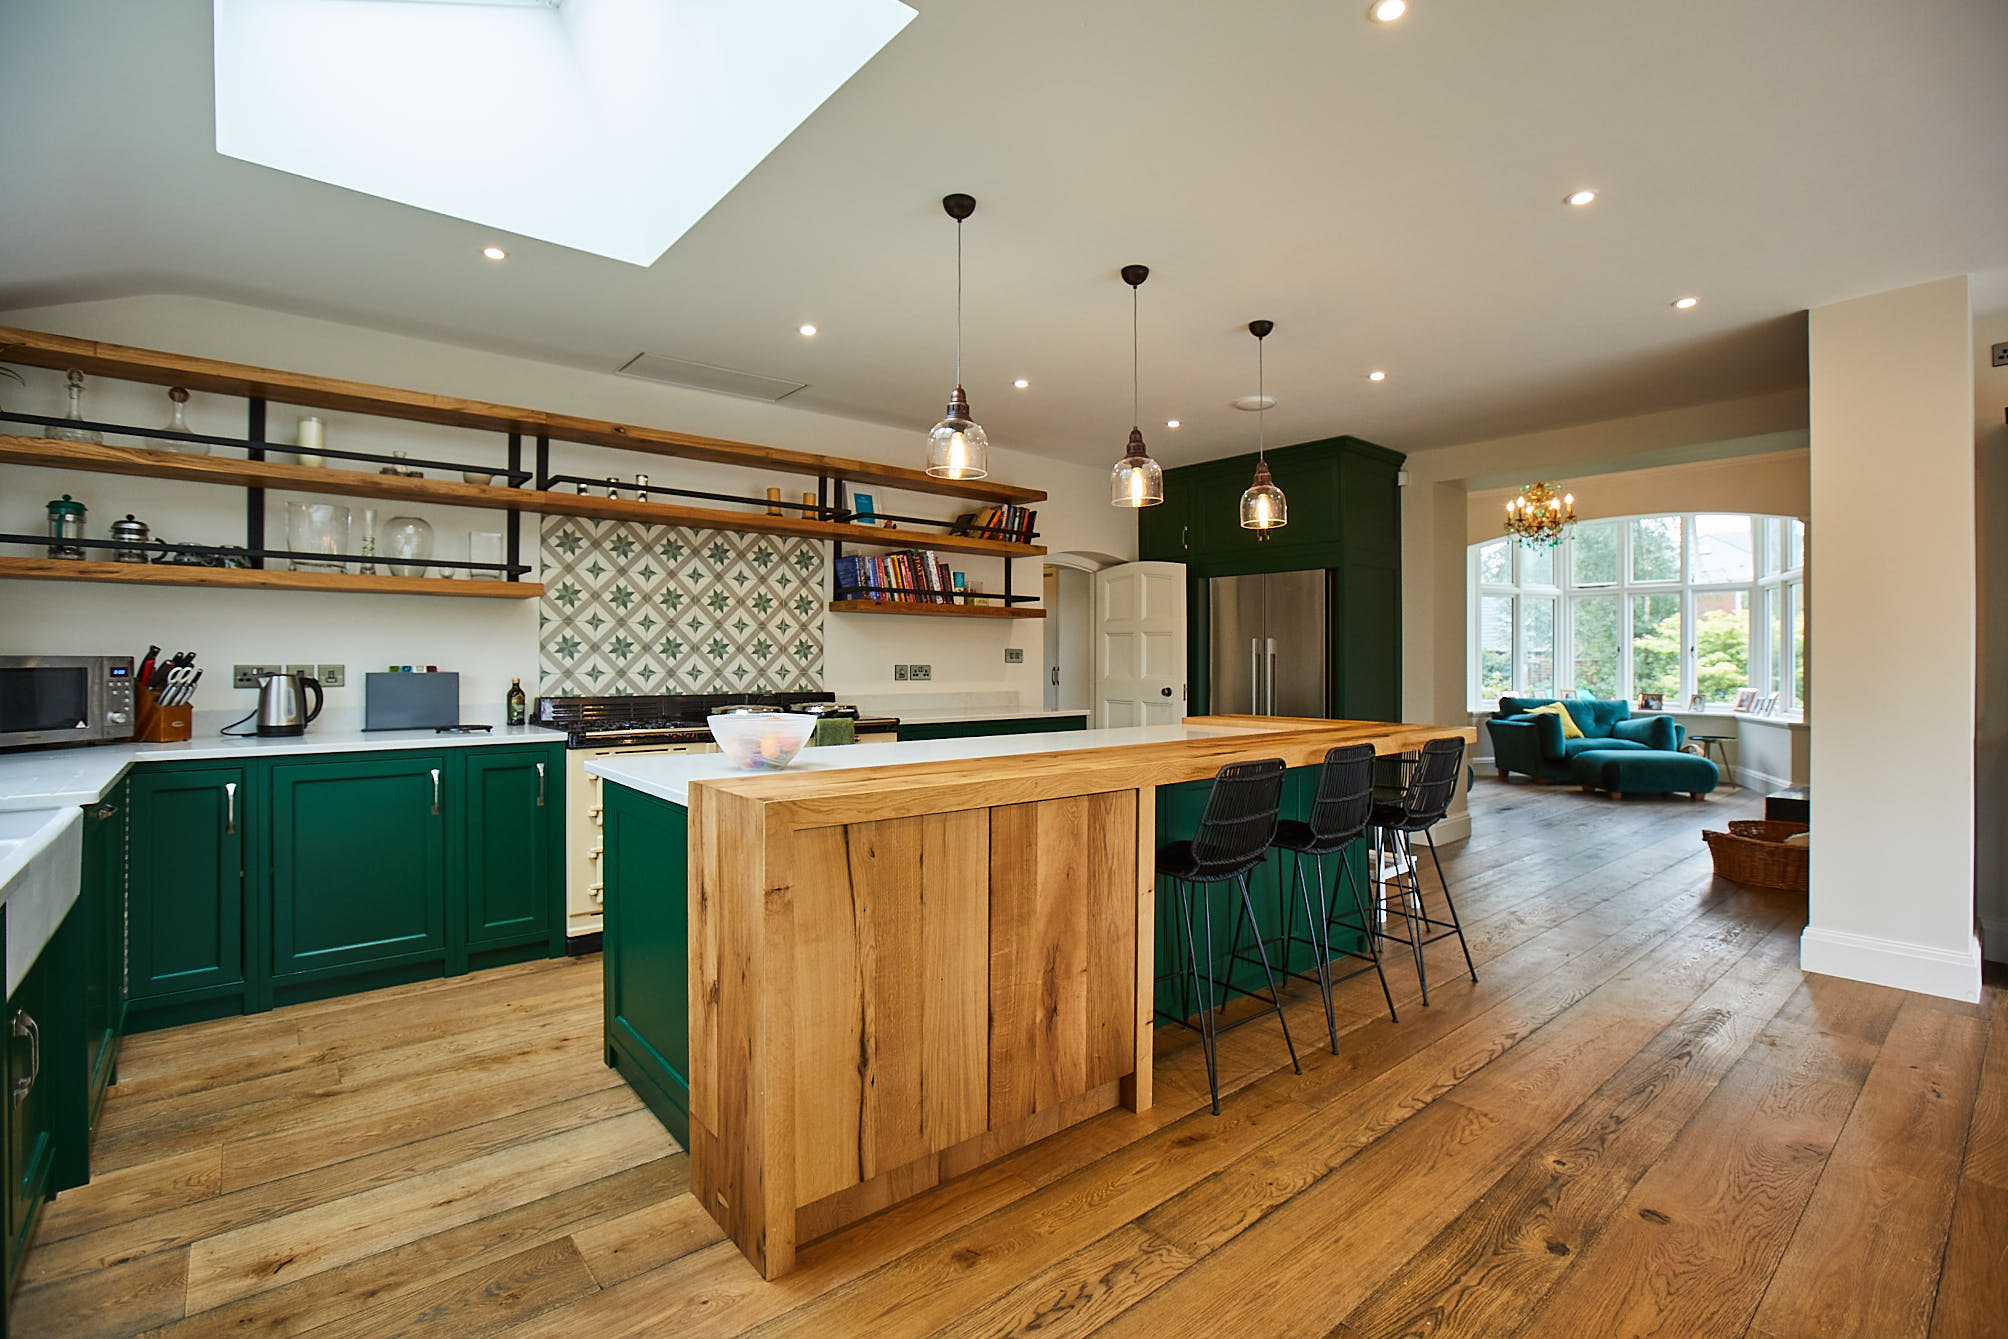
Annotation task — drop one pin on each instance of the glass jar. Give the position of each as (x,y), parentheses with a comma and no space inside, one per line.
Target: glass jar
(318,528)
(407,538)
(66,525)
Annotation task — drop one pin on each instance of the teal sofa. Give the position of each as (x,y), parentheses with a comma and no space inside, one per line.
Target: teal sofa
(1533,745)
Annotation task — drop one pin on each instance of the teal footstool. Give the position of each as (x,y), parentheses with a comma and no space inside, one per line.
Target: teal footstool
(1646,771)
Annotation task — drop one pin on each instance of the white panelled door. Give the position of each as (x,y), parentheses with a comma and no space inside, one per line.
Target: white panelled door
(1140,644)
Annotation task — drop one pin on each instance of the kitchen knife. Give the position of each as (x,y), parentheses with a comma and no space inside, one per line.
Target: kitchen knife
(146,663)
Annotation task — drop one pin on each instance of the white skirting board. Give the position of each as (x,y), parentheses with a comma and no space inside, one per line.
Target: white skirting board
(1892,962)
(1453,828)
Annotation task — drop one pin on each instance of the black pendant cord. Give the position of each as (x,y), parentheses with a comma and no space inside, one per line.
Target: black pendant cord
(1136,414)
(1261,406)
(958,302)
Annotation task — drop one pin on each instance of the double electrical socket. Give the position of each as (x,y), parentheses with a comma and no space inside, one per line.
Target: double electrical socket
(912,673)
(247,676)
(2001,354)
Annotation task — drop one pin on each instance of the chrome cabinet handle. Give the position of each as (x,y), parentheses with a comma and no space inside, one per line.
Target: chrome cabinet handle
(1254,677)
(540,785)
(435,790)
(25,1026)
(229,807)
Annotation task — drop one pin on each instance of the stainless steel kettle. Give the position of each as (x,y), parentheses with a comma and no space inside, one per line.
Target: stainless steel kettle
(281,710)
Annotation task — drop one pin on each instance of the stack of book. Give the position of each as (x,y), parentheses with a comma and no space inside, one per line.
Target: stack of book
(1007,523)
(907,576)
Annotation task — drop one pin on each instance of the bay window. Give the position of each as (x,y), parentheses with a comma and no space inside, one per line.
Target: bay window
(1706,604)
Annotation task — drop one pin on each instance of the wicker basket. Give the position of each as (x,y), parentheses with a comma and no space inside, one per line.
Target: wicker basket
(1753,852)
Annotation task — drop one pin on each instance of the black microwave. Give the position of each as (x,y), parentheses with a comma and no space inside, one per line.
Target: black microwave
(65,700)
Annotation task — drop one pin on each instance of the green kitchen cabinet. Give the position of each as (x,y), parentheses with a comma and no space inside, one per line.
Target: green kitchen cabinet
(85,1028)
(514,841)
(646,963)
(1010,725)
(33,1095)
(187,828)
(359,862)
(1345,518)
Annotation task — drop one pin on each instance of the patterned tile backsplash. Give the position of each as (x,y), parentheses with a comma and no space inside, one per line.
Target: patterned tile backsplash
(633,608)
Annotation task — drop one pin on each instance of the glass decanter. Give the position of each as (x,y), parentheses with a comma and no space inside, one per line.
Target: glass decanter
(178,422)
(76,415)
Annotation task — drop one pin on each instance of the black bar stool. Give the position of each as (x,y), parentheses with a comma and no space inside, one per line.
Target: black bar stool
(1233,836)
(1420,805)
(1338,821)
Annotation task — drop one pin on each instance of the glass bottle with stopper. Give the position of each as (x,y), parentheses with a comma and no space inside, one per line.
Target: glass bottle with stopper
(178,422)
(65,433)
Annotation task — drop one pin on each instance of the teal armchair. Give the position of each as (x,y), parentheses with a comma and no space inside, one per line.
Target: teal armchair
(1534,746)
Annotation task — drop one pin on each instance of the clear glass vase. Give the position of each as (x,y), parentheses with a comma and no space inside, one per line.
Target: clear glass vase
(320,528)
(407,538)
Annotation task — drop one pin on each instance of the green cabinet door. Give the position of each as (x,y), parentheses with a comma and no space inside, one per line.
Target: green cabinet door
(186,880)
(31,1131)
(513,801)
(102,907)
(1164,532)
(646,961)
(358,861)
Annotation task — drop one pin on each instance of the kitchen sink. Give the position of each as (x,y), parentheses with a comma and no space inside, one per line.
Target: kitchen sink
(41,871)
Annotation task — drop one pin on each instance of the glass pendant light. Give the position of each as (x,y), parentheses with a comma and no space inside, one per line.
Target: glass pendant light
(957,447)
(1136,481)
(1263,506)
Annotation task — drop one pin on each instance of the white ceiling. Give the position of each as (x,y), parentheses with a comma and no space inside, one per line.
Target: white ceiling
(1389,195)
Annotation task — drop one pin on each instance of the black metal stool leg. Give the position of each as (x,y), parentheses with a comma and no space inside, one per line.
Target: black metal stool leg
(1275,991)
(1319,952)
(1411,904)
(1373,949)
(1192,965)
(1455,924)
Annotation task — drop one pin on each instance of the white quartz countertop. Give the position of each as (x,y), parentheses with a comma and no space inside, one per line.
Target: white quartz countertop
(60,777)
(41,874)
(668,776)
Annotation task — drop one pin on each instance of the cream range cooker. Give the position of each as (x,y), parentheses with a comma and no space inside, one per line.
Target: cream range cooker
(602,727)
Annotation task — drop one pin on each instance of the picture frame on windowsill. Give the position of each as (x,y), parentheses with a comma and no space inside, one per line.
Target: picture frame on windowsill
(1746,699)
(1652,701)
(1699,702)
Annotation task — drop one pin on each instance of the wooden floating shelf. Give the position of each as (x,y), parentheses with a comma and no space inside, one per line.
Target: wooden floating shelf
(174,574)
(36,348)
(935,610)
(154,463)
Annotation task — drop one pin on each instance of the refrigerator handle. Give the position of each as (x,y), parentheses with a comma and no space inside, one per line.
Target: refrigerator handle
(1254,676)
(1272,676)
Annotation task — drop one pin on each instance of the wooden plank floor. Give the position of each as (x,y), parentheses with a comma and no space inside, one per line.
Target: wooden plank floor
(1642,1120)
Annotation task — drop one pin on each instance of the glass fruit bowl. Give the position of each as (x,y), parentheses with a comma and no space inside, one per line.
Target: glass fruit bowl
(762,741)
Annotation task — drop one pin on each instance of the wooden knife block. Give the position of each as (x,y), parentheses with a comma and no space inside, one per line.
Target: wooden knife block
(155,724)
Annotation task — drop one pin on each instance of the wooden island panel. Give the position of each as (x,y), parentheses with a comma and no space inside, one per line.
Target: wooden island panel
(890,1058)
(1063,927)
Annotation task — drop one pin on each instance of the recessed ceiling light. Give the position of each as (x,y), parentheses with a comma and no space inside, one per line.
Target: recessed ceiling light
(494,253)
(1171,423)
(1387,11)
(1376,375)
(1579,198)
(1021,383)
(807,331)
(1682,304)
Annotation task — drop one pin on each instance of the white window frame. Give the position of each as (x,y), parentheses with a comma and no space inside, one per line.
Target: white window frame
(1768,546)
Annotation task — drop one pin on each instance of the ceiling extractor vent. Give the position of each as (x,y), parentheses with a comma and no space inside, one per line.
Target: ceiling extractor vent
(705,377)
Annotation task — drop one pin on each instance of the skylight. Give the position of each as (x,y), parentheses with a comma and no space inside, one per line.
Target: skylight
(608,126)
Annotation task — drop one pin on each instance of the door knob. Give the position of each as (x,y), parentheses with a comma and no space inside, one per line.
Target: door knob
(1164,692)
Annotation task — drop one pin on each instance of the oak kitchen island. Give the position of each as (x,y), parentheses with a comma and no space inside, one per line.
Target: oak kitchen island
(842,983)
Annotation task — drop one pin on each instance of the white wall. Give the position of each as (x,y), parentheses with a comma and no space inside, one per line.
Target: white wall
(489,642)
(1890,401)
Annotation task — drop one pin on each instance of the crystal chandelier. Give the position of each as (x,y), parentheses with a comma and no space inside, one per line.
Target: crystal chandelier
(957,447)
(1137,480)
(1541,515)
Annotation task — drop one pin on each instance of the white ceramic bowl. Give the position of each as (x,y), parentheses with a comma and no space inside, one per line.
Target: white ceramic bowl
(762,741)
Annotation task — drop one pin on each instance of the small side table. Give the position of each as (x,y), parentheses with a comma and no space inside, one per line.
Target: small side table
(1712,745)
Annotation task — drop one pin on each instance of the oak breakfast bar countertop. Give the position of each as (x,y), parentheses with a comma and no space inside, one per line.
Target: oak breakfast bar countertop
(886,965)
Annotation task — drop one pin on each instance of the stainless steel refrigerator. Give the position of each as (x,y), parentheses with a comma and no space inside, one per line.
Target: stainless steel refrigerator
(1270,642)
